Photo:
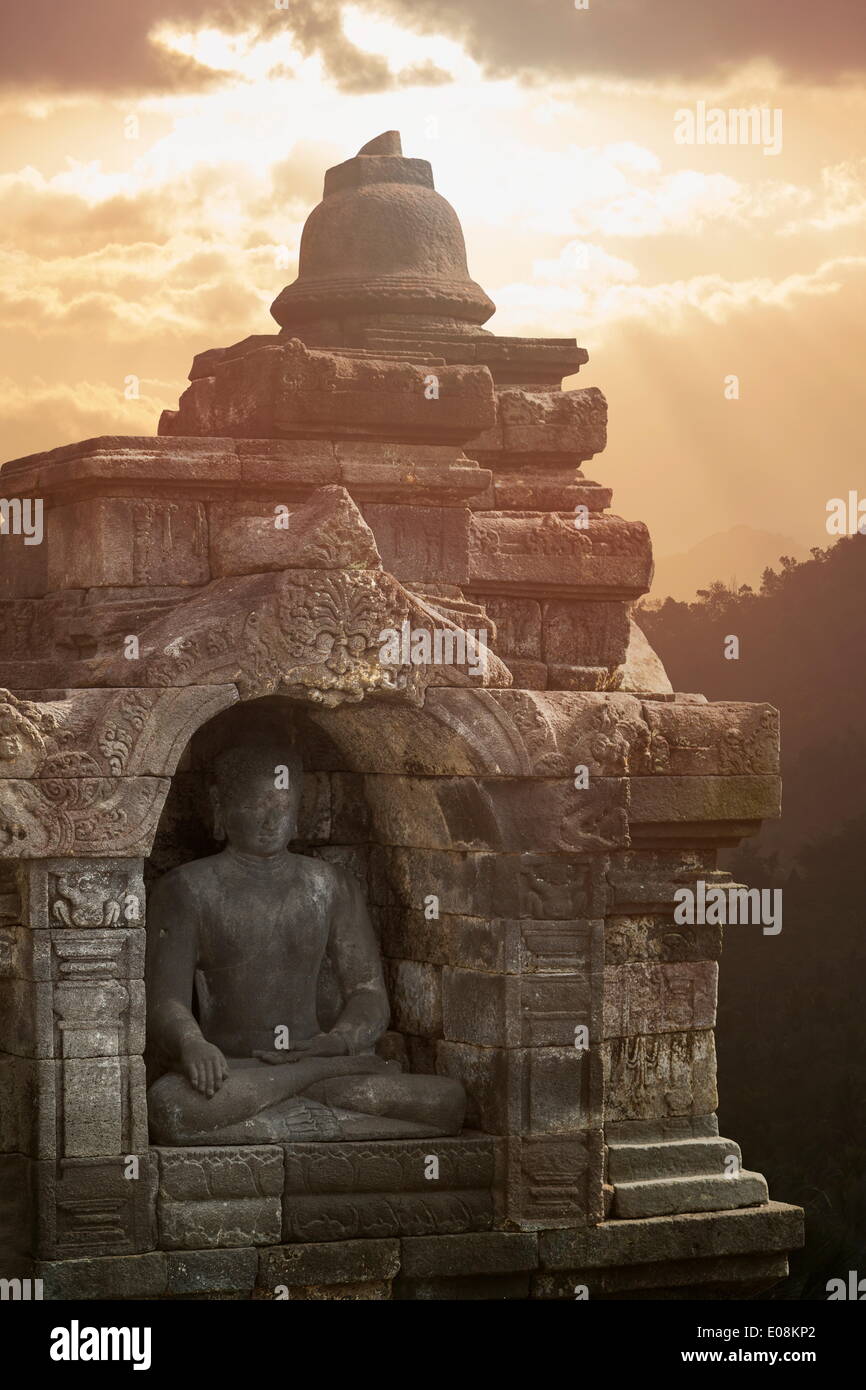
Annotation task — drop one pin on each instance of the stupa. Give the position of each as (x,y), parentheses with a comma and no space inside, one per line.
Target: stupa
(370,533)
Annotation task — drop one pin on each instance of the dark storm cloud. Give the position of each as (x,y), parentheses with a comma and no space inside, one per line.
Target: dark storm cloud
(104,44)
(88,44)
(648,38)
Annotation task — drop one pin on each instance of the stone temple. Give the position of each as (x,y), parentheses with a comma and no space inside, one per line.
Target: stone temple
(343,807)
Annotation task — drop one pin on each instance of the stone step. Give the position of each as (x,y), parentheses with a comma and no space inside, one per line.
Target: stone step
(671,1158)
(668,1196)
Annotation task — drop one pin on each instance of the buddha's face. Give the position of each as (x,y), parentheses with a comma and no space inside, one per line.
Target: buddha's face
(257,816)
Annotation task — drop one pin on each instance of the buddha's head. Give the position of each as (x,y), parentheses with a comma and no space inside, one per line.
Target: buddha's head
(255,795)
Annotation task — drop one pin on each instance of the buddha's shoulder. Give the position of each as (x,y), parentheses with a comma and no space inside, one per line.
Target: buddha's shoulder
(194,876)
(321,872)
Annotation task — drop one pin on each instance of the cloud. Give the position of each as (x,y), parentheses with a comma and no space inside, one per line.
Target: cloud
(97,44)
(50,221)
(104,45)
(142,45)
(684,457)
(38,414)
(649,38)
(840,202)
(593,293)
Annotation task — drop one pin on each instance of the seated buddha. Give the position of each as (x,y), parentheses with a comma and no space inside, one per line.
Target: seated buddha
(237,943)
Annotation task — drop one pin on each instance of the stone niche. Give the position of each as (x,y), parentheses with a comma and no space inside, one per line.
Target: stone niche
(509,780)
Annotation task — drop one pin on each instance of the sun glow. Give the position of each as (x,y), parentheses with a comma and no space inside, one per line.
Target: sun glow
(404,49)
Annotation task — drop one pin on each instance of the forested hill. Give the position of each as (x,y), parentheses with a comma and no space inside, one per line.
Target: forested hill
(802,647)
(792,1066)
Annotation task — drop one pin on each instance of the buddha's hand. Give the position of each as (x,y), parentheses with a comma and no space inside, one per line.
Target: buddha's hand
(321,1045)
(312,1068)
(204,1066)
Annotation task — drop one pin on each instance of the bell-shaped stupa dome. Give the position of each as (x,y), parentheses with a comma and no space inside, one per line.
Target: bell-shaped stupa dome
(382,244)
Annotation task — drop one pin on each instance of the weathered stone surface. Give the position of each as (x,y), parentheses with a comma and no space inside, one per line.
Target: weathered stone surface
(106,733)
(531,363)
(765,1229)
(649,880)
(425,474)
(400,1165)
(312,632)
(118,1276)
(665,1074)
(689,1192)
(498,1010)
(486,1287)
(541,887)
(555,1181)
(81,1107)
(649,999)
(673,1128)
(130,542)
(503,946)
(376,1291)
(547,734)
(27,1104)
(511,732)
(642,671)
(507,815)
(95,460)
(518,626)
(78,817)
(96,1206)
(674,1158)
(337,1217)
(332,1262)
(415,991)
(286,389)
(584,634)
(26,1022)
(727,738)
(561,677)
(544,554)
(654,937)
(738,1276)
(555,488)
(325,532)
(96,1017)
(571,424)
(528,675)
(100,896)
(217,1197)
(103,1106)
(25,571)
(544,1090)
(422,543)
(211,1271)
(497,1252)
(696,799)
(281,470)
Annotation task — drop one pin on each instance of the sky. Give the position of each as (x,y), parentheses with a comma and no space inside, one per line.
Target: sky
(158,159)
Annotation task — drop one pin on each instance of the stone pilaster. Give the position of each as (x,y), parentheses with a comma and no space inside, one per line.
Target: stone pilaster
(73,1042)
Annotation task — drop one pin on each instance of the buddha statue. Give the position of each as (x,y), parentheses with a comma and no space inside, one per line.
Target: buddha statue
(237,944)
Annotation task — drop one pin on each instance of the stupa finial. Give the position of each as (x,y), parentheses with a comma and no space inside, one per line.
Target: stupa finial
(388,142)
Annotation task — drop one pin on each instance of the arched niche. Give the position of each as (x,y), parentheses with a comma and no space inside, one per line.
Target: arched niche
(389,789)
